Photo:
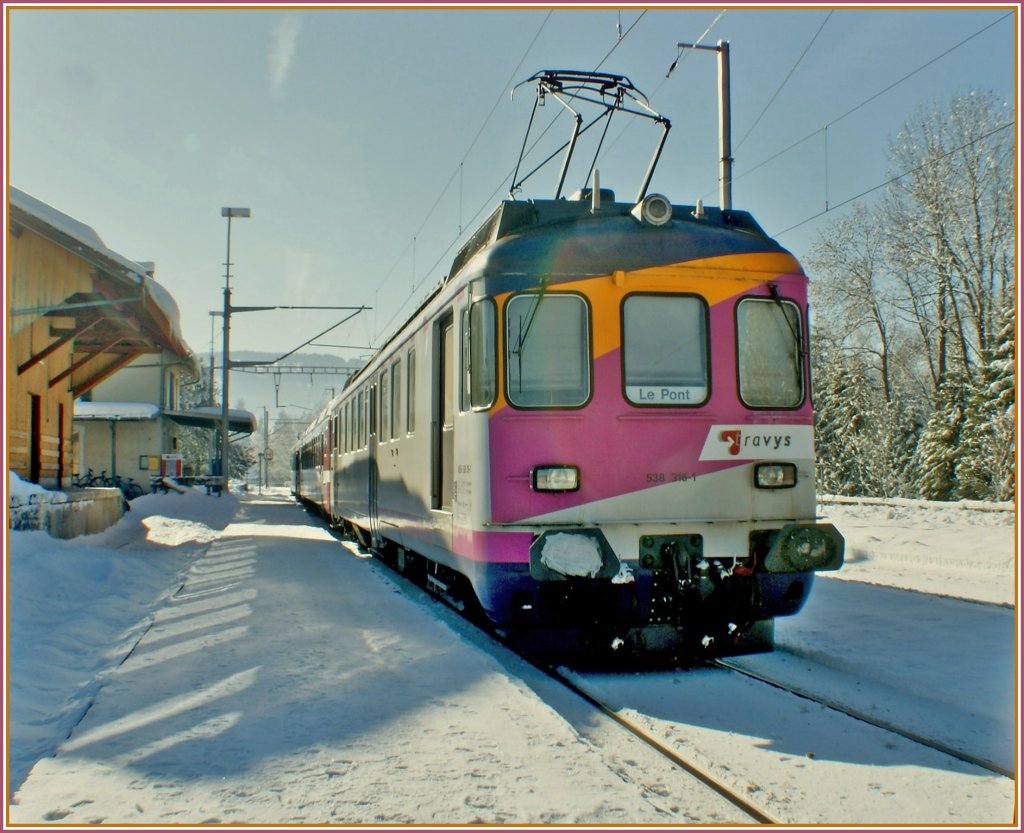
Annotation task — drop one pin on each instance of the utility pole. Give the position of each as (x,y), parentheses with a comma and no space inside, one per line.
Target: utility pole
(724,119)
(267,454)
(226,362)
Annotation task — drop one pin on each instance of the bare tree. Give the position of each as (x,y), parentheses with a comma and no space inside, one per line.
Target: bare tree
(849,265)
(912,297)
(949,224)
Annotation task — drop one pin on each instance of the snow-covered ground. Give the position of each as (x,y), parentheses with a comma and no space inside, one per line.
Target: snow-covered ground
(965,550)
(235,664)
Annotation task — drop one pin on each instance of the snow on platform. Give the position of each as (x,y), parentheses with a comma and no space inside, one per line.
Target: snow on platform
(287,680)
(224,661)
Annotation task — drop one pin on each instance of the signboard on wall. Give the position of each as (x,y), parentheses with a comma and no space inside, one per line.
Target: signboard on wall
(170,465)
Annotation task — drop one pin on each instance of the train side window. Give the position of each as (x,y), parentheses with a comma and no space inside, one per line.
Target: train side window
(547,337)
(768,351)
(665,350)
(396,398)
(410,392)
(384,432)
(481,376)
(467,364)
(360,421)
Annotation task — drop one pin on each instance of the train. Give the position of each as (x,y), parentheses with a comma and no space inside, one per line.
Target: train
(597,430)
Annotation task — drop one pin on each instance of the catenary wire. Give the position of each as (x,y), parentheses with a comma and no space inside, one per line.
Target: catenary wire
(896,178)
(784,81)
(487,202)
(465,155)
(869,99)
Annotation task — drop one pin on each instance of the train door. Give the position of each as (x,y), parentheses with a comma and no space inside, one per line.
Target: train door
(444,423)
(373,473)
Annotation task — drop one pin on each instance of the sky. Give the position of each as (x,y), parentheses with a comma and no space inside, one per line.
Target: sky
(369,143)
(179,682)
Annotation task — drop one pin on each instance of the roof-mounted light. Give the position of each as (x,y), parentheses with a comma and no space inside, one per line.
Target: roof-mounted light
(654,210)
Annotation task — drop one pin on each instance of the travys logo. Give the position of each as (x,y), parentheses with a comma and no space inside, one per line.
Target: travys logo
(758,442)
(733,438)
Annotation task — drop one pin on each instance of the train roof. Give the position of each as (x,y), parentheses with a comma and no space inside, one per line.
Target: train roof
(519,235)
(580,236)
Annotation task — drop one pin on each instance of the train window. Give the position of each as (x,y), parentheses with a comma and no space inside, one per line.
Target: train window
(360,421)
(410,392)
(396,398)
(482,377)
(467,364)
(385,407)
(372,427)
(665,350)
(769,353)
(548,350)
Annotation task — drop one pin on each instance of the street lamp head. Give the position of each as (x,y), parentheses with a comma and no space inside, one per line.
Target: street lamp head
(234,212)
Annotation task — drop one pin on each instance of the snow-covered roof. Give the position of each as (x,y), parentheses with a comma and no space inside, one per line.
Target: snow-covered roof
(209,416)
(116,410)
(88,242)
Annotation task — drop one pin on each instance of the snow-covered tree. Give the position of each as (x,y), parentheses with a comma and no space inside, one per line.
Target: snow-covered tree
(196,444)
(950,228)
(938,450)
(864,444)
(916,298)
(986,468)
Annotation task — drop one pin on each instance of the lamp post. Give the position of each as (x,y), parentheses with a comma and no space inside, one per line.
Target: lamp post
(226,362)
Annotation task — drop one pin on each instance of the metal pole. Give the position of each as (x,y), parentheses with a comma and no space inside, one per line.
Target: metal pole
(226,360)
(725,124)
(724,119)
(224,367)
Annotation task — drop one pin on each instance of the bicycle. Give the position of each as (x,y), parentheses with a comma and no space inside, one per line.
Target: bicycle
(82,481)
(129,488)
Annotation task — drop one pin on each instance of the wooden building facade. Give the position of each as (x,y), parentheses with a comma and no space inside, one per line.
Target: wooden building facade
(76,313)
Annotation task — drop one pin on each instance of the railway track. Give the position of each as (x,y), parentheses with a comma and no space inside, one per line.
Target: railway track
(690,767)
(761,784)
(753,812)
(864,717)
(758,766)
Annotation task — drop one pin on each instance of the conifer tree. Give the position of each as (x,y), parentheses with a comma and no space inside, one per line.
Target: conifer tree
(986,470)
(938,451)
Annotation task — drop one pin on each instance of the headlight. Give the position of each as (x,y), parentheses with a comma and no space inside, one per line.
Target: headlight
(556,479)
(775,475)
(654,209)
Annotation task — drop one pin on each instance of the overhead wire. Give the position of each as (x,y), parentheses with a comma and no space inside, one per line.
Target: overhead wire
(785,80)
(494,193)
(457,172)
(898,177)
(682,53)
(871,98)
(458,168)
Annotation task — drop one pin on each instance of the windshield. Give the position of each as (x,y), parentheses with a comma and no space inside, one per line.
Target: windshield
(548,360)
(768,353)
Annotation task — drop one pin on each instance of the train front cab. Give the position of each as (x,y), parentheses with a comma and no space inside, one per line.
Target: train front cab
(651,472)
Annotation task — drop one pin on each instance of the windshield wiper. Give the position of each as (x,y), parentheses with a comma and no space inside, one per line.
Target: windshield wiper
(524,333)
(774,290)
